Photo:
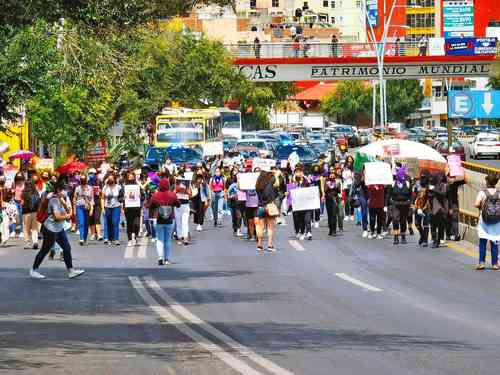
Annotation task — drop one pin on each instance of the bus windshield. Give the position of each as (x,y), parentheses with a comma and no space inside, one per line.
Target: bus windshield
(231,120)
(180,136)
(164,125)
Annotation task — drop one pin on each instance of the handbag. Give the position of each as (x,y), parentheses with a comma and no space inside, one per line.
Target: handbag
(272,210)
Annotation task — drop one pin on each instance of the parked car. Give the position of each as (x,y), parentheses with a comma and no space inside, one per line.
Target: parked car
(307,155)
(485,144)
(364,136)
(265,150)
(458,148)
(155,157)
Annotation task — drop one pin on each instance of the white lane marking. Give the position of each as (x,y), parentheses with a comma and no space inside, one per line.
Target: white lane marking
(129,252)
(359,283)
(215,349)
(142,253)
(193,319)
(296,245)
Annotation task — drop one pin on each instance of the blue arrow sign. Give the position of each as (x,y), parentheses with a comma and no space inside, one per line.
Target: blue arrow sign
(474,104)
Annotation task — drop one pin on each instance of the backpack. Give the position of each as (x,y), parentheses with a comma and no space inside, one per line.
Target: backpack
(42,213)
(490,211)
(165,212)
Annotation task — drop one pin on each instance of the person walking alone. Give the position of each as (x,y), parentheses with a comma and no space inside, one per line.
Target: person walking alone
(163,202)
(132,208)
(53,229)
(83,204)
(488,228)
(111,193)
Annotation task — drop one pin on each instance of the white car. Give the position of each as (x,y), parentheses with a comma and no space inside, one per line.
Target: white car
(485,144)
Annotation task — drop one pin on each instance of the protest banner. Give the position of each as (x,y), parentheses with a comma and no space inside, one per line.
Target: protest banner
(378,173)
(263,164)
(246,181)
(45,164)
(411,165)
(188,176)
(9,177)
(391,149)
(455,166)
(213,149)
(132,196)
(305,198)
(241,196)
(283,164)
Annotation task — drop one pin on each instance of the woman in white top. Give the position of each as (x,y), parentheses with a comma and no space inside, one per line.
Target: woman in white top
(111,195)
(488,231)
(83,205)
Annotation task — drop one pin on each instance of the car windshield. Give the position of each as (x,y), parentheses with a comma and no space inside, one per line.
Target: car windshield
(182,155)
(259,144)
(320,146)
(155,153)
(304,153)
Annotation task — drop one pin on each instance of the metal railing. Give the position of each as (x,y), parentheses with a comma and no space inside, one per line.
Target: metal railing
(321,49)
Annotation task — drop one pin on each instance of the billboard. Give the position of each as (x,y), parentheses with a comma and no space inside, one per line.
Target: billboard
(372,12)
(470,46)
(458,18)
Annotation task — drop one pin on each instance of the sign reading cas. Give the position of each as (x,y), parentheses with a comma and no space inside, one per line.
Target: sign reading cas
(333,72)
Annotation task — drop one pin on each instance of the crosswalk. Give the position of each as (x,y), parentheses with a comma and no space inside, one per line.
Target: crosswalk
(139,251)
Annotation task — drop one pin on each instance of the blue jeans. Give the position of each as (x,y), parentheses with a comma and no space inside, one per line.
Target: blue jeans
(20,213)
(112,224)
(82,216)
(482,251)
(164,241)
(364,212)
(217,205)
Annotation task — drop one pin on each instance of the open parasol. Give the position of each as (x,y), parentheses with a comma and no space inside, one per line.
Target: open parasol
(72,167)
(22,154)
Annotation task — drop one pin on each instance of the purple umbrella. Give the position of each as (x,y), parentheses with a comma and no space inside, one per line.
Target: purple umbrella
(22,154)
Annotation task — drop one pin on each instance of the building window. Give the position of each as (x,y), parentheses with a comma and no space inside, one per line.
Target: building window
(332,4)
(275,3)
(326,3)
(332,20)
(358,3)
(253,4)
(422,3)
(420,20)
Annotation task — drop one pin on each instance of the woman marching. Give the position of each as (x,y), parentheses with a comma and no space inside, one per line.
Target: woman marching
(111,196)
(83,207)
(236,201)
(331,193)
(267,210)
(399,197)
(217,188)
(132,208)
(301,219)
(183,192)
(200,196)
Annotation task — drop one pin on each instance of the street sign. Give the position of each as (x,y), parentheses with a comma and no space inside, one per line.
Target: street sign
(474,104)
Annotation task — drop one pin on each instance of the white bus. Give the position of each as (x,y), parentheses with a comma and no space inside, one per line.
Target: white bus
(231,122)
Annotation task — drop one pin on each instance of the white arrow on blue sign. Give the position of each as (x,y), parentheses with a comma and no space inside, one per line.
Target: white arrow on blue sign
(474,104)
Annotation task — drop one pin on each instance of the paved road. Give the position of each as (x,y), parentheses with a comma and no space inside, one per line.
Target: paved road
(326,306)
(495,163)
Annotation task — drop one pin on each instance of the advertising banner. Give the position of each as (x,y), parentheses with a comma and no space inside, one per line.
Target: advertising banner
(372,12)
(458,18)
(459,46)
(485,46)
(305,199)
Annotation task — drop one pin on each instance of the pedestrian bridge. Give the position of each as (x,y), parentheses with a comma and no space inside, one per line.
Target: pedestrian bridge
(272,62)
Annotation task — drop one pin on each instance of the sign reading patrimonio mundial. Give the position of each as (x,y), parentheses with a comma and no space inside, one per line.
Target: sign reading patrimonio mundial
(334,72)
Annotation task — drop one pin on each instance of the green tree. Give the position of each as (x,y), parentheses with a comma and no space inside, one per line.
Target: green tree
(403,98)
(351,101)
(26,56)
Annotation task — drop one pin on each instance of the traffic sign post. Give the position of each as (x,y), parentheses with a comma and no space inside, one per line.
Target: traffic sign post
(474,104)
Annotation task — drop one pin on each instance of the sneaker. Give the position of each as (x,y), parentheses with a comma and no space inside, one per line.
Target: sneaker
(494,267)
(81,242)
(186,243)
(160,262)
(35,245)
(352,217)
(346,218)
(116,243)
(385,233)
(238,233)
(480,267)
(75,273)
(309,236)
(36,275)
(371,236)
(442,242)
(316,224)
(166,262)
(271,249)
(301,237)
(136,242)
(100,239)
(365,234)
(199,228)
(28,246)
(106,242)
(297,236)
(380,237)
(130,243)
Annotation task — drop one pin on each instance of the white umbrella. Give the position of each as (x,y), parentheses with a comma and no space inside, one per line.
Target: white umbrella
(403,149)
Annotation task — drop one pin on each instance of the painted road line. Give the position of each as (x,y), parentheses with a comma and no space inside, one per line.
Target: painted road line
(296,245)
(190,318)
(129,252)
(142,253)
(359,283)
(214,349)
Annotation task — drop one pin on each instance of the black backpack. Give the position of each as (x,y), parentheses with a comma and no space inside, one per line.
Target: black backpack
(490,211)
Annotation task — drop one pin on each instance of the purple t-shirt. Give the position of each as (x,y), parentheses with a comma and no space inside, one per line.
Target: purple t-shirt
(252,199)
